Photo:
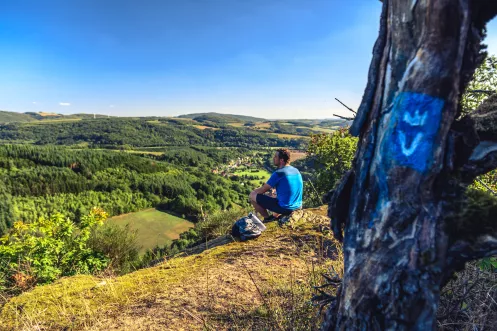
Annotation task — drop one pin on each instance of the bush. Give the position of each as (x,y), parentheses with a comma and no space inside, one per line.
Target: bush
(218,223)
(47,249)
(119,245)
(332,156)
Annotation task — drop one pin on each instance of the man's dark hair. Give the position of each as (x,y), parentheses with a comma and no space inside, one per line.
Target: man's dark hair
(284,154)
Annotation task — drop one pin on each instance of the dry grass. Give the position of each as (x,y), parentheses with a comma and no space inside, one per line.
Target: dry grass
(139,152)
(298,155)
(290,136)
(236,124)
(262,125)
(469,301)
(47,114)
(203,127)
(181,119)
(263,284)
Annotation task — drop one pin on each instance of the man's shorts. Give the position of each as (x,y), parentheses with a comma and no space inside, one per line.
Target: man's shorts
(272,204)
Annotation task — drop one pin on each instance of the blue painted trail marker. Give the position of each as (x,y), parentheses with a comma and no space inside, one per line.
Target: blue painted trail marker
(414,126)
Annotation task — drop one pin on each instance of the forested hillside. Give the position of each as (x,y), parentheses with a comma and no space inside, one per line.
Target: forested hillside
(41,181)
(107,132)
(217,117)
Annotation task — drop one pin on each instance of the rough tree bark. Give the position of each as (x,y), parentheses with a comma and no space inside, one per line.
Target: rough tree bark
(413,164)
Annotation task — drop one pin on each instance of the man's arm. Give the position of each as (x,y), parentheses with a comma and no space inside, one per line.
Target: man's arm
(263,189)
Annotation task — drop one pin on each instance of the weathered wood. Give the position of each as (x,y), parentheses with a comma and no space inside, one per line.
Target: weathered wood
(412,165)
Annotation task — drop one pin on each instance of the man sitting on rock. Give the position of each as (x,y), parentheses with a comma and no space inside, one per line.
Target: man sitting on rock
(289,187)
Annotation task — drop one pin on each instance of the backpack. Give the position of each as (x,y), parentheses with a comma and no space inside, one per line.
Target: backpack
(247,227)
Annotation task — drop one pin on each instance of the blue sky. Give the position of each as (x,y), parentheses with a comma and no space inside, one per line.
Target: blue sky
(274,59)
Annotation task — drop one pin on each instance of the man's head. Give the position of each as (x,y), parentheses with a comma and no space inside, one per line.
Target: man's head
(281,157)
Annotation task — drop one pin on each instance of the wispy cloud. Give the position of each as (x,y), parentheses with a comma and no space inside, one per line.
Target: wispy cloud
(34,102)
(64,104)
(111,106)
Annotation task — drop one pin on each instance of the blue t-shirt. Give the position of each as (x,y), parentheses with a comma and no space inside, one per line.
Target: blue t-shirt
(289,186)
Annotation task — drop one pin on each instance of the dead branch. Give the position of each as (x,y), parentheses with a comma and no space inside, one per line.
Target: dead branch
(346,106)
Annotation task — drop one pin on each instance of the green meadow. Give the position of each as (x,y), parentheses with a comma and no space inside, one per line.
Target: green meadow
(154,227)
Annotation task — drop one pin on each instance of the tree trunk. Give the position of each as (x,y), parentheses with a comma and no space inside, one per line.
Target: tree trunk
(413,164)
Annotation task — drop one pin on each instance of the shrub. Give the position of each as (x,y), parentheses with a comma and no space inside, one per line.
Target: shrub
(119,245)
(332,156)
(47,249)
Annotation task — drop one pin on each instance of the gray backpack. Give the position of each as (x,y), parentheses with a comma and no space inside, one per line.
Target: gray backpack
(247,227)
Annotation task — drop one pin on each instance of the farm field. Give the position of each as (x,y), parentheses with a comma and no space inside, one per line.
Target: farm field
(298,156)
(144,152)
(203,127)
(264,125)
(290,136)
(254,183)
(236,124)
(260,173)
(154,227)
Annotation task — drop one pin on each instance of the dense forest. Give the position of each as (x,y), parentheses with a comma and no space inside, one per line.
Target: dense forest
(112,132)
(38,181)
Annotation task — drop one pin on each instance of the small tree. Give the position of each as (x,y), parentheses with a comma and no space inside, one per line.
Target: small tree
(332,155)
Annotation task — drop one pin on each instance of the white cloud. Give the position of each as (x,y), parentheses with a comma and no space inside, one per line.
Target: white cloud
(111,106)
(64,104)
(34,102)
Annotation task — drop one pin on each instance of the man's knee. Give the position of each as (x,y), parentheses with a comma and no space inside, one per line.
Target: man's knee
(253,196)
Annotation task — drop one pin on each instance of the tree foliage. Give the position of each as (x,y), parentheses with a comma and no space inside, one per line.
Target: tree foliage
(49,248)
(117,132)
(6,209)
(483,84)
(332,156)
(45,180)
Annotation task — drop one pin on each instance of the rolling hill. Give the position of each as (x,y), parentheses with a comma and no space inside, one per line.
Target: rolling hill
(9,116)
(222,118)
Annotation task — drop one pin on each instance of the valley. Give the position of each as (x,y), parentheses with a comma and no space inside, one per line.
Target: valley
(140,171)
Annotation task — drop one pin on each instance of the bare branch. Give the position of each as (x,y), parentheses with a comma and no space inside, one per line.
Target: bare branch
(346,106)
(476,144)
(344,118)
(489,92)
(464,251)
(487,187)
